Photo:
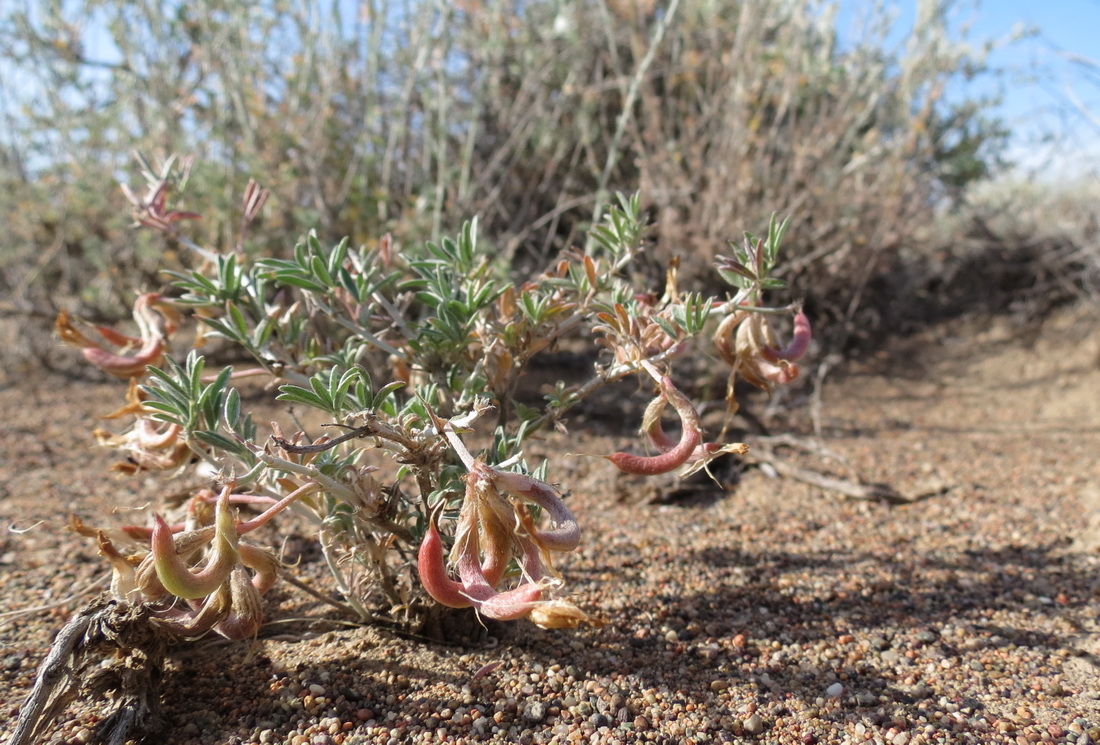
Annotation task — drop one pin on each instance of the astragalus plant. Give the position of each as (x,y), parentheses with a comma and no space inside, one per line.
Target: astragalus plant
(402,435)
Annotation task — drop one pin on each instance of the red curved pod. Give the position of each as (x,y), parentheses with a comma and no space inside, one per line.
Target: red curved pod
(800,342)
(433,572)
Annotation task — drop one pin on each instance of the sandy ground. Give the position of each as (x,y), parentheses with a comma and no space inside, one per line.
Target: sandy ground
(775,612)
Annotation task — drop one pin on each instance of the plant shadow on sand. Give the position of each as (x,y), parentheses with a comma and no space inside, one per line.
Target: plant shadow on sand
(882,631)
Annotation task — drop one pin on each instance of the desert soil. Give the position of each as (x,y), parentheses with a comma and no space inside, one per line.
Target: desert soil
(772,611)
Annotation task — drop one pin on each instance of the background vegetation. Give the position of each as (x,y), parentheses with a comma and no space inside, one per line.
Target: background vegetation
(380,116)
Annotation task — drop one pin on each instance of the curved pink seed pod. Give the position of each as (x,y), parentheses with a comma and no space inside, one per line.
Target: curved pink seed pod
(513,604)
(474,583)
(263,563)
(124,366)
(155,320)
(652,465)
(495,561)
(502,606)
(800,342)
(567,535)
(690,437)
(659,438)
(433,572)
(176,577)
(117,338)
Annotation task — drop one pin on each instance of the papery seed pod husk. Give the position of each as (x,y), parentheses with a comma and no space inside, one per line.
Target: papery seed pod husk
(560,614)
(191,624)
(246,613)
(123,574)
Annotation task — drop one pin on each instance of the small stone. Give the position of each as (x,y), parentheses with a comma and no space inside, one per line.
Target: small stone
(834,690)
(754,725)
(534,711)
(317,690)
(901,738)
(719,685)
(927,636)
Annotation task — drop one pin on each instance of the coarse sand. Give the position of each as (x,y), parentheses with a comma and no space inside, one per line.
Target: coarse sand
(774,612)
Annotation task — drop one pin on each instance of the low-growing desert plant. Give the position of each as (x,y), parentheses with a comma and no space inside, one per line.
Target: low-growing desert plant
(409,359)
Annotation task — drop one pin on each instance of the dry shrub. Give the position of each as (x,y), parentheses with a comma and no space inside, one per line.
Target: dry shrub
(1048,235)
(530,115)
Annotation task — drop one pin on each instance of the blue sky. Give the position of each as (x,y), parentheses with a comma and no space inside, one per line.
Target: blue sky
(1067,29)
(1040,79)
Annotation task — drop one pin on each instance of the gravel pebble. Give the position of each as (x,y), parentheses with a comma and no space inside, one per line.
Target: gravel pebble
(534,711)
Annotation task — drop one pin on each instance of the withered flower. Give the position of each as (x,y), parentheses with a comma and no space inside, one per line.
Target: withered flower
(149,445)
(747,342)
(152,210)
(201,579)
